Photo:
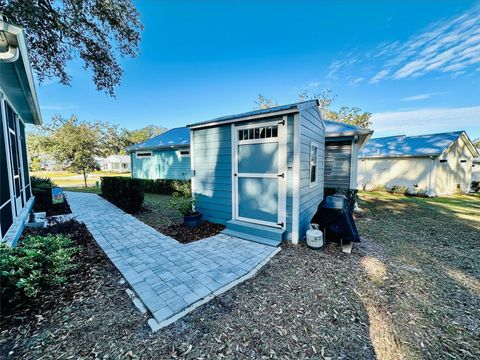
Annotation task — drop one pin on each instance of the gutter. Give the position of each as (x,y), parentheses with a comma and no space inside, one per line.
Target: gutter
(22,48)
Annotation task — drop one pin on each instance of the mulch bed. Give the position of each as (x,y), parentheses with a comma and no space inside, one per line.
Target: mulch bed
(184,234)
(54,209)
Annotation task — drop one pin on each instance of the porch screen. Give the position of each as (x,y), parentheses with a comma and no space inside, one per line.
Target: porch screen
(6,217)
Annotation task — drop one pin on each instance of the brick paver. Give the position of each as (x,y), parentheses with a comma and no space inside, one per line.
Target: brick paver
(166,275)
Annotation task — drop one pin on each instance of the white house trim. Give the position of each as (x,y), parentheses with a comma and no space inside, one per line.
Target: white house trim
(6,136)
(296,179)
(236,120)
(317,180)
(354,163)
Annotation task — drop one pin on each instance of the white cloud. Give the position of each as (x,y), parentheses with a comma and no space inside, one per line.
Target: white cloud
(421,96)
(314,84)
(427,121)
(447,46)
(356,81)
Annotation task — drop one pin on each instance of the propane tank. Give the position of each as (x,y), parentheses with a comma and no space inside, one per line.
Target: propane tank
(314,237)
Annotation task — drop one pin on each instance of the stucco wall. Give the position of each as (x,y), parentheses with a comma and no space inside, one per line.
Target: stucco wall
(453,171)
(395,171)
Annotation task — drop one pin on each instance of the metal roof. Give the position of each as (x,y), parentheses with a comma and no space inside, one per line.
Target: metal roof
(335,127)
(177,137)
(256,113)
(421,145)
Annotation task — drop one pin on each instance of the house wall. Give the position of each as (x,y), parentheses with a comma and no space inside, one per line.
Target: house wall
(312,130)
(338,163)
(476,171)
(163,164)
(407,172)
(453,172)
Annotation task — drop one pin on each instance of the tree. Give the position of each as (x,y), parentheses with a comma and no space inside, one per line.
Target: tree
(476,143)
(140,135)
(98,32)
(263,103)
(75,143)
(349,115)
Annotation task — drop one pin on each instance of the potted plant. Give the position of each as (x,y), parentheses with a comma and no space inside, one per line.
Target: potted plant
(185,205)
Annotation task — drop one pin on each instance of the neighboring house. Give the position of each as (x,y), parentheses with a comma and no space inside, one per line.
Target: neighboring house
(261,173)
(165,156)
(115,163)
(18,107)
(439,164)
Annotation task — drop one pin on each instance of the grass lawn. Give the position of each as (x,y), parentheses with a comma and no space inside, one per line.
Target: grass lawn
(409,290)
(68,179)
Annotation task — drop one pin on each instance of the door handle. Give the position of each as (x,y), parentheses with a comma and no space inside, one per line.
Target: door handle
(281,175)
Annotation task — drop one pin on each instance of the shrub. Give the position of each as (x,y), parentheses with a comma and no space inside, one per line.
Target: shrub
(397,189)
(350,194)
(39,262)
(183,204)
(379,187)
(126,193)
(42,190)
(475,186)
(167,186)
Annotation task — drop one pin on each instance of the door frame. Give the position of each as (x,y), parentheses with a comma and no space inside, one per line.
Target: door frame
(282,169)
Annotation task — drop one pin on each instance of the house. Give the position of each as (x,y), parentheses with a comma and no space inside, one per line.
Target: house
(261,173)
(165,156)
(476,168)
(438,164)
(18,107)
(115,163)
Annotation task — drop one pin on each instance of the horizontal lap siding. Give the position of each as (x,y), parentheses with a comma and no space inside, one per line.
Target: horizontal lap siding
(338,158)
(212,150)
(163,164)
(312,130)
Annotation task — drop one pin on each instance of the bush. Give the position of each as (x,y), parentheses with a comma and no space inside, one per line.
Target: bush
(396,189)
(475,186)
(183,204)
(39,262)
(126,193)
(167,186)
(42,190)
(350,194)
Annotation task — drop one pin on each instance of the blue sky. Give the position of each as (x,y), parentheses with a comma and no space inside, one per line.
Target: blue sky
(414,64)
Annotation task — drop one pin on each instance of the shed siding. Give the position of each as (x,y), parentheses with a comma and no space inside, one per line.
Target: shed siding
(163,164)
(338,163)
(395,171)
(454,173)
(476,171)
(212,153)
(312,129)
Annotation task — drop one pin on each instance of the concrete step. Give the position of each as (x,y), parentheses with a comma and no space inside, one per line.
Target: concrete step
(257,230)
(249,237)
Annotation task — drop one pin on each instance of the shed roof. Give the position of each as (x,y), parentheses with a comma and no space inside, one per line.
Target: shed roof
(421,145)
(177,137)
(257,113)
(335,128)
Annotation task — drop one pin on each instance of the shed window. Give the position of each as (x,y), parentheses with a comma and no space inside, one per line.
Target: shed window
(144,154)
(463,161)
(258,133)
(313,163)
(185,153)
(443,160)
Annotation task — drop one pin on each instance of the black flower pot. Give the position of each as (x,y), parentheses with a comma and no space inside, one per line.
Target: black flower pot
(193,219)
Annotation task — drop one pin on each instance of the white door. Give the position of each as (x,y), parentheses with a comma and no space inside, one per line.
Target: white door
(259,173)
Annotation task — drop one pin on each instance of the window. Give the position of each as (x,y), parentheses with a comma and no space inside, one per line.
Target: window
(313,163)
(144,154)
(463,161)
(258,133)
(184,152)
(443,160)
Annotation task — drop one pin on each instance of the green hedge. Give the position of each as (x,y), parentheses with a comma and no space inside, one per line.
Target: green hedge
(42,190)
(166,186)
(125,192)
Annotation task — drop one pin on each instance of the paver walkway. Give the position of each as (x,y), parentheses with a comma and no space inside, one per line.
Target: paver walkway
(169,277)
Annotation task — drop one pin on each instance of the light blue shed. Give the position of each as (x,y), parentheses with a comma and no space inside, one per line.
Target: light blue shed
(260,173)
(166,156)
